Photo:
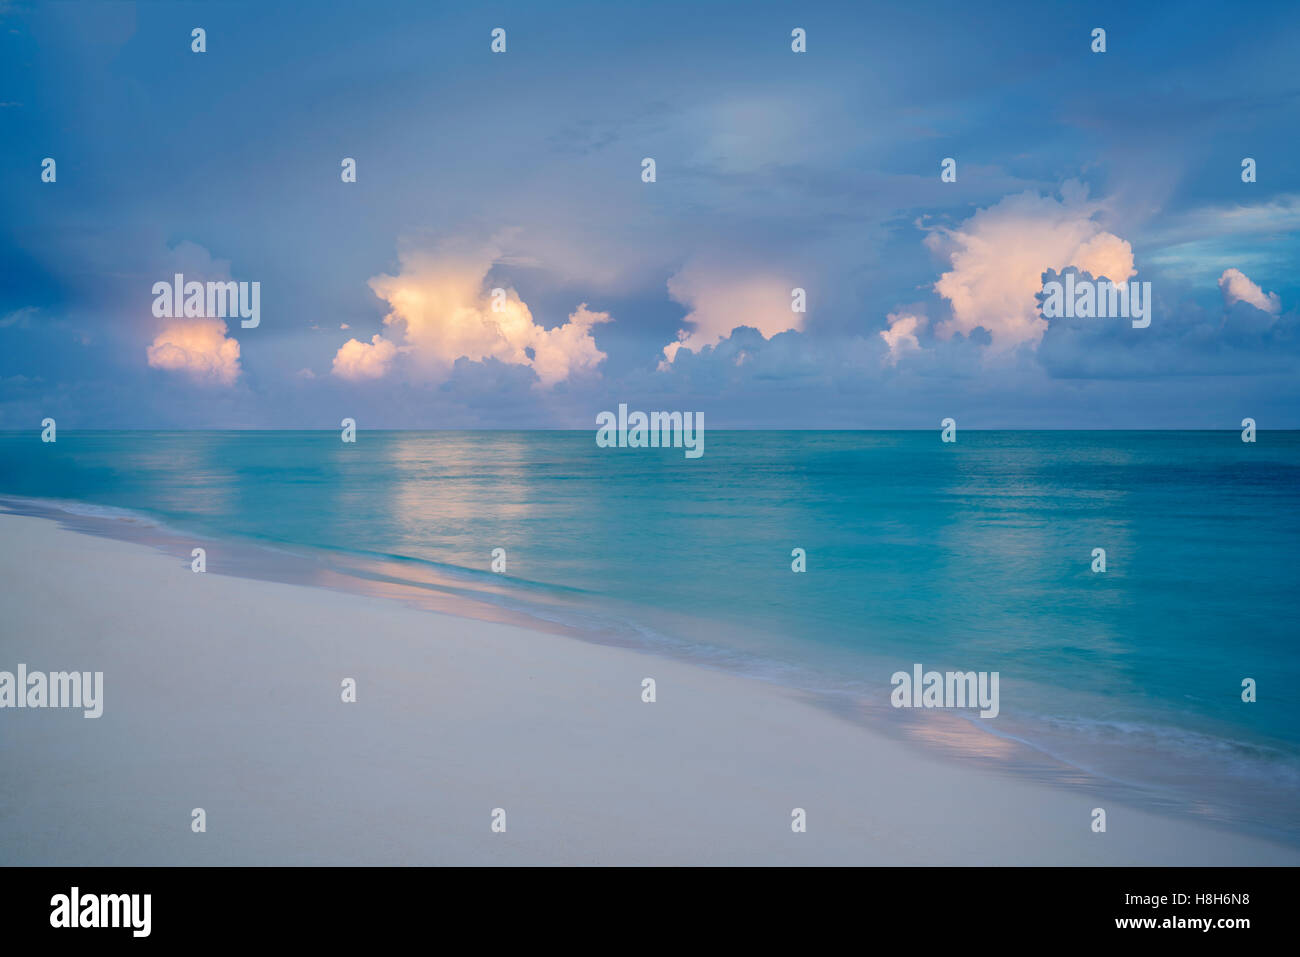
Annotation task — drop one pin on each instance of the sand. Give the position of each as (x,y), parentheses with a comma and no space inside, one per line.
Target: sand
(225,694)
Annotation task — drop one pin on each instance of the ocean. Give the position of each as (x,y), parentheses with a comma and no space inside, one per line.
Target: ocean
(971,556)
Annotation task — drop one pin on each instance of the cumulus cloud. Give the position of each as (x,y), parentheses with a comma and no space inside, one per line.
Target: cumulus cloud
(901,335)
(440,310)
(999,255)
(357,360)
(720,303)
(1237,287)
(199,348)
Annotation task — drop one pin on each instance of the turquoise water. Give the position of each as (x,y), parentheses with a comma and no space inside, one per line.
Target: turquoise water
(972,556)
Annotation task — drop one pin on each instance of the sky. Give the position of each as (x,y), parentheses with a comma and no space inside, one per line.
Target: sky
(523,171)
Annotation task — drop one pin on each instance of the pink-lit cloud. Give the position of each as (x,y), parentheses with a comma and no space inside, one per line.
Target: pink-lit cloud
(357,360)
(198,348)
(1238,287)
(441,310)
(720,301)
(998,257)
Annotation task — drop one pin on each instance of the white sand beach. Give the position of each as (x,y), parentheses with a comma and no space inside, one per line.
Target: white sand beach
(224,694)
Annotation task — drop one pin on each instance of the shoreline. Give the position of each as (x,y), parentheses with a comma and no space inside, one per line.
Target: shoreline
(1010,746)
(457,716)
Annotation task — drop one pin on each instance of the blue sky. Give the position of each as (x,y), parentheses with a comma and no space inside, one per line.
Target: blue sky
(522,171)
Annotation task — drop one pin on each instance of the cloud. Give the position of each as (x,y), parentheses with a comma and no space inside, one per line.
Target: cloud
(999,255)
(1237,287)
(357,360)
(440,311)
(721,303)
(901,335)
(198,347)
(568,348)
(20,318)
(1185,338)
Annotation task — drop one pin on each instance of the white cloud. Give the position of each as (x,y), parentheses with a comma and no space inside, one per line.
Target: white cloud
(901,335)
(21,318)
(1237,287)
